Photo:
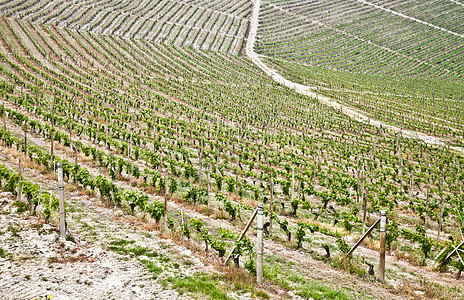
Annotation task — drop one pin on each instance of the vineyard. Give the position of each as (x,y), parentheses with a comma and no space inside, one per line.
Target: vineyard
(373,37)
(217,26)
(168,138)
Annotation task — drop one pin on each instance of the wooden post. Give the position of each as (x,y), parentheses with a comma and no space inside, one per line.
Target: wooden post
(107,132)
(411,185)
(166,201)
(293,183)
(61,202)
(129,144)
(20,171)
(442,208)
(3,106)
(383,223)
(271,200)
(52,134)
(154,134)
(161,160)
(357,177)
(314,170)
(236,173)
(200,155)
(25,139)
(364,199)
(259,246)
(4,119)
(426,207)
(208,184)
(70,132)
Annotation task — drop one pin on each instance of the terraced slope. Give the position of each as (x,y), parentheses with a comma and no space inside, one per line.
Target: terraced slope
(136,123)
(376,37)
(138,112)
(217,25)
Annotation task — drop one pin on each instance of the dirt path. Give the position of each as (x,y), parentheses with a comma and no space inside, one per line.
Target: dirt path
(308,90)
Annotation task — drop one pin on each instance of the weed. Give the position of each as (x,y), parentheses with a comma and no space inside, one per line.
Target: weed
(262,295)
(121,242)
(14,231)
(314,291)
(152,267)
(119,246)
(70,238)
(163,258)
(21,206)
(201,284)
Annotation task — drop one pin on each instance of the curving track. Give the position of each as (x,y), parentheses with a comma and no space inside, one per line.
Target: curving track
(312,91)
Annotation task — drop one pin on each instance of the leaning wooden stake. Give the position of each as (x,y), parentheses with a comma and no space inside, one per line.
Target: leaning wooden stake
(259,246)
(383,223)
(61,202)
(364,236)
(242,234)
(443,262)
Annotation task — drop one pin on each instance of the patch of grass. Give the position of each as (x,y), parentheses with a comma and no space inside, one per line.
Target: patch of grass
(202,284)
(240,280)
(296,278)
(139,250)
(186,262)
(276,275)
(119,246)
(14,231)
(262,295)
(22,207)
(86,226)
(152,267)
(164,259)
(70,238)
(121,242)
(344,263)
(317,292)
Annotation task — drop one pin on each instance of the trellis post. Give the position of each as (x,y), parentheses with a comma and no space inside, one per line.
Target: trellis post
(259,246)
(20,168)
(271,200)
(383,225)
(61,202)
(208,184)
(166,201)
